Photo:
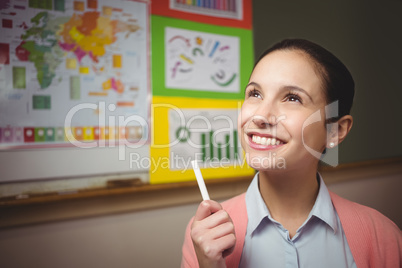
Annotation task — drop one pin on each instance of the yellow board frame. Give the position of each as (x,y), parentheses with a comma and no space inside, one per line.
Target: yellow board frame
(161,173)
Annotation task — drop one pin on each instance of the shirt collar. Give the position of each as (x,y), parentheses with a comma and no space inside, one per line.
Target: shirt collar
(323,207)
(257,210)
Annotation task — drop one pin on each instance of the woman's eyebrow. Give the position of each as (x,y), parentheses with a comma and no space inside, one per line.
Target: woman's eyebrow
(296,88)
(253,84)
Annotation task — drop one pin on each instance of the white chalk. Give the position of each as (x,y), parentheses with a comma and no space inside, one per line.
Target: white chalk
(200,180)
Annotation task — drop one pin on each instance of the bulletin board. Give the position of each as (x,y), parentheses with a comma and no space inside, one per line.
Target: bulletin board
(91,88)
(197,94)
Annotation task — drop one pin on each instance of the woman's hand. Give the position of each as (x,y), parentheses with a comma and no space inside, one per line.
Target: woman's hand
(213,235)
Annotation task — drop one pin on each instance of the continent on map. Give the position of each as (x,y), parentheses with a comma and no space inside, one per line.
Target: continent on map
(86,34)
(89,34)
(39,45)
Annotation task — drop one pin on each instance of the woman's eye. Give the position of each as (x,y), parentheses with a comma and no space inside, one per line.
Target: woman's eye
(293,98)
(254,93)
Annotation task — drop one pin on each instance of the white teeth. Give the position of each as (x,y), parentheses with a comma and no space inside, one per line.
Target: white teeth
(268,141)
(265,140)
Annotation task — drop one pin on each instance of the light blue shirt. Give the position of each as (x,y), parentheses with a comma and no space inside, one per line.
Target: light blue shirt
(319,242)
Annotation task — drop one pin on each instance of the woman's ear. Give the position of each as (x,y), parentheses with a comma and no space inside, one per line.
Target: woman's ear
(339,130)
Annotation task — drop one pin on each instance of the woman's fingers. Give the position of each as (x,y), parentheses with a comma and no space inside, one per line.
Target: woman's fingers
(206,208)
(213,234)
(200,234)
(214,250)
(215,219)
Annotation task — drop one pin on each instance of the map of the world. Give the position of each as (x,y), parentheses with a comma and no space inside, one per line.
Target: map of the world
(57,54)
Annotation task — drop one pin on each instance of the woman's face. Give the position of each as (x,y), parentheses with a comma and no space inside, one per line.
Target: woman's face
(282,119)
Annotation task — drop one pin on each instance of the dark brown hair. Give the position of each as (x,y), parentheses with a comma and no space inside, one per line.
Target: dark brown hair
(337,80)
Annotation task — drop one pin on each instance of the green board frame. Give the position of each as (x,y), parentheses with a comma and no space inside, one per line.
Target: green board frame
(246,56)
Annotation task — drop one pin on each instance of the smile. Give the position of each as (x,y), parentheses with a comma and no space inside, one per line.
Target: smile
(265,140)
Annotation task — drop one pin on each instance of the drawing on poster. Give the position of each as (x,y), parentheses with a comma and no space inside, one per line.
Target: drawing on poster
(55,55)
(201,61)
(209,136)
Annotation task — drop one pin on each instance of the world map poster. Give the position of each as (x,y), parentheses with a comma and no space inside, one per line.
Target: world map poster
(72,69)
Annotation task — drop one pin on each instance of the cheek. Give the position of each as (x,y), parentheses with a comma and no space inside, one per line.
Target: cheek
(294,126)
(315,136)
(301,130)
(246,113)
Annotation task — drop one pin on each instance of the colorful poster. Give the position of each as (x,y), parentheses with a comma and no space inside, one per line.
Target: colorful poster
(187,129)
(232,9)
(201,61)
(230,13)
(87,60)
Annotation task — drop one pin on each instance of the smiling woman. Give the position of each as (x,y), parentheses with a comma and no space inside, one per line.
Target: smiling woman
(288,216)
(284,91)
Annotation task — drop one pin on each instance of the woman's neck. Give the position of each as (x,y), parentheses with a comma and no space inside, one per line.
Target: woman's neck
(289,195)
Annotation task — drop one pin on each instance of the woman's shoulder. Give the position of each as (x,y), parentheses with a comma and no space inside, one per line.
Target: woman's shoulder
(374,240)
(236,208)
(359,214)
(235,204)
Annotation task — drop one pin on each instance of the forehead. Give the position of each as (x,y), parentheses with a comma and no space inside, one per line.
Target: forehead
(290,67)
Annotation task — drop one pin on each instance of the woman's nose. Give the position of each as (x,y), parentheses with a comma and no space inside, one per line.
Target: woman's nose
(260,121)
(266,115)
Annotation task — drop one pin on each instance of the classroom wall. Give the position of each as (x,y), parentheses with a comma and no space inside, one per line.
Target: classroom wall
(365,34)
(147,239)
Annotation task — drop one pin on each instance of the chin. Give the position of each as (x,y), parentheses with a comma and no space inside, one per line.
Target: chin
(270,161)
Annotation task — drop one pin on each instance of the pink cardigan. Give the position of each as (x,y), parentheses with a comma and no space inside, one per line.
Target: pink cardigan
(374,240)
